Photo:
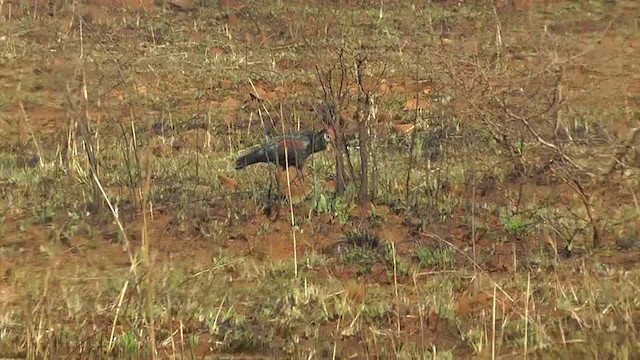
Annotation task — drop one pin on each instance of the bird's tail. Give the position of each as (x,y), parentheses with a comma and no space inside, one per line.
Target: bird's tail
(251,158)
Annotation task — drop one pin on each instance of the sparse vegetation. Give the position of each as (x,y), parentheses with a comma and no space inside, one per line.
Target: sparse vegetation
(481,199)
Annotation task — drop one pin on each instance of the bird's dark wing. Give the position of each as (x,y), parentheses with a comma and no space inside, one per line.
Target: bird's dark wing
(292,144)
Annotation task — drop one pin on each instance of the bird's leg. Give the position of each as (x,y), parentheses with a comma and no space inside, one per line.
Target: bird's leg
(302,173)
(299,174)
(295,178)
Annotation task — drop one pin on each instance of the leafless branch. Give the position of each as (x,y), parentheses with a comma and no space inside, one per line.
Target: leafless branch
(617,160)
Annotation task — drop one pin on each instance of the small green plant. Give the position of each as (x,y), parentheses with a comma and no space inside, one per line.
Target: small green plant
(435,257)
(44,212)
(128,344)
(513,223)
(194,339)
(340,207)
(376,311)
(475,338)
(312,260)
(375,218)
(402,266)
(265,228)
(320,204)
(363,239)
(364,258)
(241,340)
(342,210)
(361,248)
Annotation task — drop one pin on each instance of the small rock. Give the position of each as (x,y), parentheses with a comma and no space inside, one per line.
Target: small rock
(300,187)
(403,128)
(447,41)
(227,182)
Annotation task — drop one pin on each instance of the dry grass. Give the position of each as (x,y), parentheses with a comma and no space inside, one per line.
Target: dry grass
(126,232)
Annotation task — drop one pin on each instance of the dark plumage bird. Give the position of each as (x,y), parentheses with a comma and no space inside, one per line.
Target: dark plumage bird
(299,147)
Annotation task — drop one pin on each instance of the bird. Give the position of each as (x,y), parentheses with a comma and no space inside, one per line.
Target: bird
(299,147)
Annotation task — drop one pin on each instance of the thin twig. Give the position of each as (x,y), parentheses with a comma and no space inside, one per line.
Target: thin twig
(115,317)
(542,141)
(625,149)
(199,273)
